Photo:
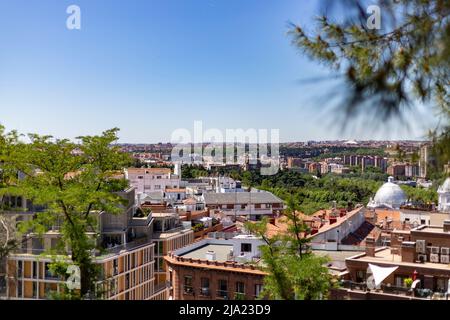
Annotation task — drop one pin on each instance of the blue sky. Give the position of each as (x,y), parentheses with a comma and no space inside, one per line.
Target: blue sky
(152,66)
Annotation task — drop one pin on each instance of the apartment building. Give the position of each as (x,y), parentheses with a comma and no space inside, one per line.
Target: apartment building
(125,256)
(146,180)
(253,205)
(381,273)
(217,269)
(169,234)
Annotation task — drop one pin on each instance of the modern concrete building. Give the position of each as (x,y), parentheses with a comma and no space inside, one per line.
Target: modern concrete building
(126,259)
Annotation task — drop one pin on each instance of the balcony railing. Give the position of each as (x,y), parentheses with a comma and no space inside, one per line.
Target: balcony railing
(205,292)
(222,294)
(188,290)
(418,293)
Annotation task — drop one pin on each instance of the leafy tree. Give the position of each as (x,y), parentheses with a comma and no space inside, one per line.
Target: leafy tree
(9,237)
(294,272)
(389,70)
(74,182)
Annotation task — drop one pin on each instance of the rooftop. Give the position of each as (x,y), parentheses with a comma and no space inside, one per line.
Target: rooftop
(241,198)
(221,250)
(384,256)
(149,170)
(431,229)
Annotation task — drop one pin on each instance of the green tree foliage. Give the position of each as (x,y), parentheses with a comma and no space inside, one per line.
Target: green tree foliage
(294,272)
(192,172)
(389,70)
(74,182)
(9,237)
(420,195)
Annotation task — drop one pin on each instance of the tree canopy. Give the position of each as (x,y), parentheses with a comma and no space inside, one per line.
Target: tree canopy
(73,182)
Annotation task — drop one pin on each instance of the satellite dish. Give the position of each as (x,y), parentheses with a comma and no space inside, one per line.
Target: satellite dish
(370,282)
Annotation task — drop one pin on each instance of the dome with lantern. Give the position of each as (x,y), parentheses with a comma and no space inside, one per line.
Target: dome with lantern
(389,195)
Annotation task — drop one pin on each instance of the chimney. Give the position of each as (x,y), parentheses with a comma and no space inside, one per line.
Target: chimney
(370,246)
(446,225)
(210,255)
(408,251)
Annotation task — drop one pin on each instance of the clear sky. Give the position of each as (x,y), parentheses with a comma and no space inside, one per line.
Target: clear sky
(152,66)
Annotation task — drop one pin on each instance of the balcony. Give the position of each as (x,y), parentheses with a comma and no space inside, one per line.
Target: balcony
(391,292)
(222,294)
(162,286)
(188,290)
(205,292)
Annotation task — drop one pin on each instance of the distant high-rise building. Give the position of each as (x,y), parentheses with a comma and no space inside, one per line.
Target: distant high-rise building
(425,160)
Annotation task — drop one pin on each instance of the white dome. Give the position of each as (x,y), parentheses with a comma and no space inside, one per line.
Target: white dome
(445,186)
(389,195)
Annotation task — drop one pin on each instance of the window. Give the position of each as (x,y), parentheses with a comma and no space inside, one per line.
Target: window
(205,287)
(47,288)
(188,289)
(48,273)
(422,221)
(157,187)
(34,289)
(360,276)
(35,275)
(140,177)
(400,281)
(246,247)
(223,289)
(242,206)
(258,289)
(19,289)
(115,267)
(441,285)
(257,206)
(158,177)
(160,264)
(19,269)
(160,248)
(240,287)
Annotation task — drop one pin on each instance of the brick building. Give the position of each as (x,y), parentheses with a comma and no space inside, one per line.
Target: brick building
(217,269)
(421,254)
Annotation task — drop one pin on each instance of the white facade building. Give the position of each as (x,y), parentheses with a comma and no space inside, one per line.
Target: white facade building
(147,180)
(444,196)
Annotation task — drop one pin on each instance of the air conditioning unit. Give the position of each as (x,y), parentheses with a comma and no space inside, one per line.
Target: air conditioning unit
(421,246)
(422,258)
(445,250)
(434,257)
(435,250)
(445,258)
